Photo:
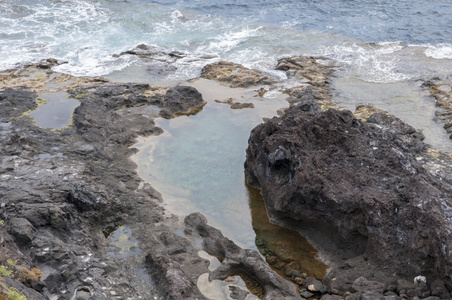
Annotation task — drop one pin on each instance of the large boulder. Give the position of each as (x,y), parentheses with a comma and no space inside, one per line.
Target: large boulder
(182,100)
(235,75)
(359,182)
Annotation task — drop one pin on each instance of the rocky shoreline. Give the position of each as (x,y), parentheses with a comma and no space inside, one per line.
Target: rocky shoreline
(79,223)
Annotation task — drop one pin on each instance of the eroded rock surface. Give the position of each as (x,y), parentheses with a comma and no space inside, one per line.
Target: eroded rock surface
(442,92)
(235,75)
(366,187)
(64,193)
(236,260)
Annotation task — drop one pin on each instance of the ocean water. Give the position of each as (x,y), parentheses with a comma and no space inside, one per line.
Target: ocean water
(375,43)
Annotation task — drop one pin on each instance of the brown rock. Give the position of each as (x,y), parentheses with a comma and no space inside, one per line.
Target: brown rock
(234,75)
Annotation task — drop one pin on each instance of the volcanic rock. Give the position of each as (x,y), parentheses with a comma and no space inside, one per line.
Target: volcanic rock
(182,100)
(360,185)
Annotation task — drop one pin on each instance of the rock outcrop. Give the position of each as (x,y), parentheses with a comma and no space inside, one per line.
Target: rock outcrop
(312,78)
(235,75)
(364,186)
(181,100)
(235,260)
(442,93)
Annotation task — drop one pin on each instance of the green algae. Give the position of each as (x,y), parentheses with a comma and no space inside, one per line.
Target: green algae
(285,250)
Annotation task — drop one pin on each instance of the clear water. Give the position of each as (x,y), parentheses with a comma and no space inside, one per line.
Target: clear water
(197,164)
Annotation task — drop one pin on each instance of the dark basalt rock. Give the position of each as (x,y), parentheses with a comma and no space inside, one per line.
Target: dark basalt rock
(359,184)
(181,100)
(235,259)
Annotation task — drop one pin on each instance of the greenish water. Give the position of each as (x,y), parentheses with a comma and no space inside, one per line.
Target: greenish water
(197,164)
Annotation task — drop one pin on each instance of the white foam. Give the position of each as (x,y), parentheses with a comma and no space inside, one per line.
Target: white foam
(48,29)
(229,40)
(376,63)
(442,51)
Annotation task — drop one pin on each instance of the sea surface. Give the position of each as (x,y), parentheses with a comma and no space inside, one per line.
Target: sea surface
(382,47)
(383,50)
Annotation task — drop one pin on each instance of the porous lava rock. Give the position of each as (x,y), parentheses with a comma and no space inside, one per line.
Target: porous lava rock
(181,100)
(357,183)
(235,75)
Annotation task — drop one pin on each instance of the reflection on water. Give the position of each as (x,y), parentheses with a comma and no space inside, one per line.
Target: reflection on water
(285,250)
(56,110)
(197,164)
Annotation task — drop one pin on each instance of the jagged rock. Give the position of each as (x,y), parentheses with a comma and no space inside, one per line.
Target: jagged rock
(361,284)
(305,294)
(60,211)
(306,67)
(234,75)
(182,100)
(359,183)
(372,295)
(177,285)
(331,297)
(236,259)
(237,293)
(438,288)
(22,230)
(441,91)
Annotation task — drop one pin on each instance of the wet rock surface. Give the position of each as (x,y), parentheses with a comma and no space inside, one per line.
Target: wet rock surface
(78,223)
(370,191)
(233,104)
(312,75)
(235,75)
(181,100)
(442,93)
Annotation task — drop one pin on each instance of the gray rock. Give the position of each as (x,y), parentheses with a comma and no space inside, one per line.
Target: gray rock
(305,294)
(331,297)
(22,230)
(236,259)
(438,288)
(237,293)
(313,285)
(434,298)
(353,296)
(182,100)
(361,284)
(371,296)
